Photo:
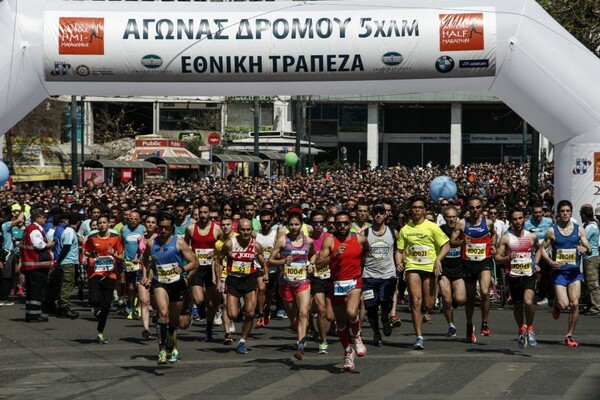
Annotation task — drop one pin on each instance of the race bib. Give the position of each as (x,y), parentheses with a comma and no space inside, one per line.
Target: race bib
(104,264)
(131,266)
(475,251)
(204,256)
(368,294)
(166,273)
(266,252)
(419,254)
(522,265)
(341,288)
(295,271)
(241,267)
(566,256)
(323,273)
(453,253)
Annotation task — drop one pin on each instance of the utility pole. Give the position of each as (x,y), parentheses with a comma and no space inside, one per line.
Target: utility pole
(256,130)
(74,180)
(299,130)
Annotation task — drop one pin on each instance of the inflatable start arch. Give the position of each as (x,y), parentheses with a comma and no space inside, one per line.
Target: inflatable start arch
(511,48)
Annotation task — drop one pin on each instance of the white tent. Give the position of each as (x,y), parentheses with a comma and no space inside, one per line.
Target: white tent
(529,61)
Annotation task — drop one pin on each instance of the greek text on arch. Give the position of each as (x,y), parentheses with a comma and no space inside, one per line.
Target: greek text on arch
(279,64)
(190,29)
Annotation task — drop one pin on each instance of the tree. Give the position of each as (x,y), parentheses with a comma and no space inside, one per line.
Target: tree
(113,121)
(580,17)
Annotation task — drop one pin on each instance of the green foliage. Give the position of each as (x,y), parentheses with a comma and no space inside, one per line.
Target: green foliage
(329,166)
(233,129)
(192,143)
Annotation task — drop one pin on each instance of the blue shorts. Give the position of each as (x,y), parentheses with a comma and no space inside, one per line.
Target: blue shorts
(564,277)
(377,290)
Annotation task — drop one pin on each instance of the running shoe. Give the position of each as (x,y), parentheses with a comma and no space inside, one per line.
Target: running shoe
(555,312)
(231,327)
(396,323)
(377,340)
(569,341)
(208,336)
(531,339)
(323,347)
(6,303)
(267,318)
(387,326)
(170,344)
(522,341)
(100,339)
(471,338)
(349,359)
(130,315)
(543,302)
(241,348)
(174,358)
(419,345)
(218,321)
(146,334)
(427,318)
(361,349)
(281,314)
(485,330)
(20,291)
(299,354)
(260,322)
(228,339)
(451,331)
(162,357)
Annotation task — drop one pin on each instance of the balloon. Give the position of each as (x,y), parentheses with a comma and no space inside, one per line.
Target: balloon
(291,159)
(3,173)
(442,187)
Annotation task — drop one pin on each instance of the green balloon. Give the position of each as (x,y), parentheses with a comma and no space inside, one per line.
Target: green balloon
(291,159)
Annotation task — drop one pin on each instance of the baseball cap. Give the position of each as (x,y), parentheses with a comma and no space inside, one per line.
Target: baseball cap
(378,206)
(15,207)
(305,206)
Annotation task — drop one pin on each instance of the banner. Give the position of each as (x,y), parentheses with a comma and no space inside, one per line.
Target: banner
(218,46)
(585,176)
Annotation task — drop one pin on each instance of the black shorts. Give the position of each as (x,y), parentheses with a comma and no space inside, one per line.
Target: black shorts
(377,290)
(517,285)
(176,290)
(240,286)
(273,279)
(203,277)
(133,277)
(318,285)
(473,269)
(454,272)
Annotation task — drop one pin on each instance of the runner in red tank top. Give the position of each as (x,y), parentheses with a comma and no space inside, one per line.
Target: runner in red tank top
(202,237)
(343,252)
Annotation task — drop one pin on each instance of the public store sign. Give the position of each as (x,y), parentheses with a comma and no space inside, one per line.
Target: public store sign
(218,46)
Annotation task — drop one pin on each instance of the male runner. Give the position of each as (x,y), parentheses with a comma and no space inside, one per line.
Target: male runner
(131,235)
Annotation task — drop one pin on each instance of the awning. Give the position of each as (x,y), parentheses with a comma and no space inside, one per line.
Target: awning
(236,158)
(273,155)
(180,161)
(118,164)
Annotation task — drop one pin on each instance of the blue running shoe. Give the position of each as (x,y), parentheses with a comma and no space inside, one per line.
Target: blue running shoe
(451,331)
(241,348)
(531,339)
(419,345)
(522,341)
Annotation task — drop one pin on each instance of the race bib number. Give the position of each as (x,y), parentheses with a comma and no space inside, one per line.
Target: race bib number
(522,265)
(419,254)
(266,252)
(131,266)
(368,294)
(240,268)
(323,273)
(166,273)
(566,256)
(295,271)
(453,253)
(204,257)
(104,264)
(475,251)
(341,288)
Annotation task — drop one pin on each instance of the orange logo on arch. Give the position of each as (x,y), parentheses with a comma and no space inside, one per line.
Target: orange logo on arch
(460,32)
(81,35)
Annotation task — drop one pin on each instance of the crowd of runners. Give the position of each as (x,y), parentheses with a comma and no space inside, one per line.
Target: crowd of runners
(325,251)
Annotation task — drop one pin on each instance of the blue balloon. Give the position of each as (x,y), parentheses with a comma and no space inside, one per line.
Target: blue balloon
(442,187)
(3,173)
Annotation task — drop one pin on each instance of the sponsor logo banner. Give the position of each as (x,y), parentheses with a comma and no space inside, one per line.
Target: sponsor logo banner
(585,175)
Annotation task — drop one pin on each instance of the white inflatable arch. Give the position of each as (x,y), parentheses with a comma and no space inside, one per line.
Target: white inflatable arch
(511,48)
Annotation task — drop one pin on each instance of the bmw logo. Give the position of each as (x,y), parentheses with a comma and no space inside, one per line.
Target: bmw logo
(444,64)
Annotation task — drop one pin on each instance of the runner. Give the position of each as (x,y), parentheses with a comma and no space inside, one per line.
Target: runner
(131,235)
(294,253)
(226,225)
(518,250)
(379,273)
(202,236)
(477,237)
(266,238)
(103,250)
(538,224)
(241,251)
(591,263)
(421,246)
(452,284)
(172,263)
(143,287)
(343,253)
(568,242)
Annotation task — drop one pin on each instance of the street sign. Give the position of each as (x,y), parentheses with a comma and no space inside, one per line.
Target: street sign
(214,139)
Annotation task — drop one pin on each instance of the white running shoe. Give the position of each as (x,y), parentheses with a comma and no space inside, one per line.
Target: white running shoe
(361,349)
(231,327)
(218,321)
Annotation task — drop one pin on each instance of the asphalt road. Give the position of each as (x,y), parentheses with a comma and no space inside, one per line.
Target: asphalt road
(60,360)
